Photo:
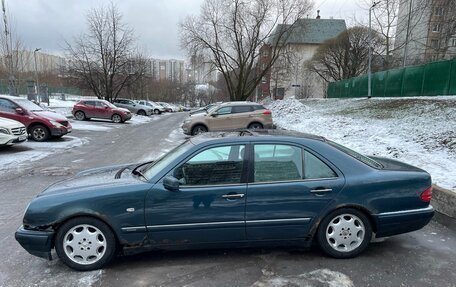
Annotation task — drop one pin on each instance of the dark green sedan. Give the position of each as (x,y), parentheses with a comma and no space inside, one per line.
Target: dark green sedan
(235,189)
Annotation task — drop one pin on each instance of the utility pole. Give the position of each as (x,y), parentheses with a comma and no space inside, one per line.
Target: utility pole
(37,85)
(404,60)
(369,72)
(9,54)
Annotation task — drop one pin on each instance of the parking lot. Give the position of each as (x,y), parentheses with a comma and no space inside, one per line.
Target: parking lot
(422,258)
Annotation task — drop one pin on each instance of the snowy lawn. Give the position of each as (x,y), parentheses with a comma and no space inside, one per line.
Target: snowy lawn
(419,131)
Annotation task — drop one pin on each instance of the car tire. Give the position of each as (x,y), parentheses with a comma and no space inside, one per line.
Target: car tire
(198,129)
(79,115)
(116,118)
(344,233)
(255,126)
(142,112)
(85,243)
(157,111)
(39,133)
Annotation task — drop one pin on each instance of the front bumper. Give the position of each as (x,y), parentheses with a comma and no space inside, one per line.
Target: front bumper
(38,243)
(392,223)
(60,131)
(186,128)
(127,117)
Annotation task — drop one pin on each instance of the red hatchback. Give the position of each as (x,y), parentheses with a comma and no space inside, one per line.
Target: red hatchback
(41,124)
(101,109)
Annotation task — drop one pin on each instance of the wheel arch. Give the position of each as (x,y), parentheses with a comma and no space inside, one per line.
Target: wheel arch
(199,124)
(255,122)
(33,124)
(358,207)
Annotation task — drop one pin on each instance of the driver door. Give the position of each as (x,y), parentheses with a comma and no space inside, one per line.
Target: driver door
(209,206)
(221,120)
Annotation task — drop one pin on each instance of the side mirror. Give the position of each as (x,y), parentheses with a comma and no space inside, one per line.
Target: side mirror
(171,183)
(19,111)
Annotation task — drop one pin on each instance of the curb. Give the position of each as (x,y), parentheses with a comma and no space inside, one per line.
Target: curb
(444,203)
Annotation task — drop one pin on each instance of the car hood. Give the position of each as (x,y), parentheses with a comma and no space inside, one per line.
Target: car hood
(391,164)
(50,115)
(123,110)
(92,179)
(7,123)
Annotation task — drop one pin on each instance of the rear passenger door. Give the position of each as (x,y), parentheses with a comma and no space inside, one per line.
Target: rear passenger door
(242,116)
(288,187)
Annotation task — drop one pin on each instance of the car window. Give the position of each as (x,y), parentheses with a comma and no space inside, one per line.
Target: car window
(277,162)
(224,111)
(7,106)
(213,166)
(315,168)
(258,107)
(90,103)
(100,104)
(241,109)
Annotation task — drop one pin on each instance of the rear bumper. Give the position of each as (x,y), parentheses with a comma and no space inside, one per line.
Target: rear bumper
(397,222)
(38,243)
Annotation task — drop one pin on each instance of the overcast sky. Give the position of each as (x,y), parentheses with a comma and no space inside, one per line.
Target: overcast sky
(47,23)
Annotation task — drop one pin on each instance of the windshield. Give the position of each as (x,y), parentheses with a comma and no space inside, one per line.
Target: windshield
(152,169)
(210,108)
(28,105)
(358,156)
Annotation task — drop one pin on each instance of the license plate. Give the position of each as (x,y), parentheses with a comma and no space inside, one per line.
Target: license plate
(22,138)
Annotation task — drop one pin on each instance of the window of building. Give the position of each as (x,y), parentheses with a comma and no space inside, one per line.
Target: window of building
(438,11)
(453,43)
(437,28)
(435,44)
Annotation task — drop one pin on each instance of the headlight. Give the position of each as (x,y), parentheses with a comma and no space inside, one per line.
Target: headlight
(187,121)
(56,124)
(4,131)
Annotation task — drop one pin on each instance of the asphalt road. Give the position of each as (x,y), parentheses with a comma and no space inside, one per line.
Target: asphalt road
(422,258)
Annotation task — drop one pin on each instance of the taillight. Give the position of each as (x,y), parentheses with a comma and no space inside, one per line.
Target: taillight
(267,112)
(426,195)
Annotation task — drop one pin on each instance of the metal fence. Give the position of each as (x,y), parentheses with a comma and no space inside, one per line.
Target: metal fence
(432,79)
(21,87)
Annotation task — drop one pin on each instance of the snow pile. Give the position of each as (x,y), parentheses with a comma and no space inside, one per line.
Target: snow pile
(419,131)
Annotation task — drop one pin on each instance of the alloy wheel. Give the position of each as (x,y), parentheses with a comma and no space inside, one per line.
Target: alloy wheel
(345,232)
(84,244)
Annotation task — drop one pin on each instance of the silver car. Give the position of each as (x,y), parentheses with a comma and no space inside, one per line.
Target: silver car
(158,109)
(133,107)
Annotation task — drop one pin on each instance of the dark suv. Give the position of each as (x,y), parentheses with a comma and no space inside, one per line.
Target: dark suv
(41,124)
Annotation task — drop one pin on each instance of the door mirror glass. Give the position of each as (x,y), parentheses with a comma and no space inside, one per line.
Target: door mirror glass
(171,183)
(19,111)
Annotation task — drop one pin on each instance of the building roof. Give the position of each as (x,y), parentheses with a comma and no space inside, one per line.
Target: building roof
(313,31)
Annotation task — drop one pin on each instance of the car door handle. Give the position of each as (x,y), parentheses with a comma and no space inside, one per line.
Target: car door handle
(233,196)
(321,190)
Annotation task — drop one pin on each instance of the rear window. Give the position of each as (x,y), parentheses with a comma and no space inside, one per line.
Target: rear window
(358,156)
(258,107)
(241,109)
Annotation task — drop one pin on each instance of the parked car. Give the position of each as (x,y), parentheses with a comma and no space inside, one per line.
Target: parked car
(133,107)
(229,116)
(41,124)
(168,107)
(205,109)
(229,189)
(158,109)
(11,132)
(101,109)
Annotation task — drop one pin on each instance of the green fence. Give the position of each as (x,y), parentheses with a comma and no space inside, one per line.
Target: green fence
(433,79)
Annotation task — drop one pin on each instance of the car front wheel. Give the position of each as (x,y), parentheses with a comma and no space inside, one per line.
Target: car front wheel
(344,233)
(116,118)
(157,111)
(199,129)
(85,243)
(39,133)
(141,112)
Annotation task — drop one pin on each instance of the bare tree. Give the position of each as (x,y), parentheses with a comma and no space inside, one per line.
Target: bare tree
(232,32)
(345,56)
(105,59)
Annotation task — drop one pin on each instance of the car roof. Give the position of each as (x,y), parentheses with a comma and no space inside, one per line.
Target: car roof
(238,103)
(12,97)
(263,134)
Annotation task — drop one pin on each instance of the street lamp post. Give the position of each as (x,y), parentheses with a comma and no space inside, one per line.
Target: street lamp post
(37,87)
(369,72)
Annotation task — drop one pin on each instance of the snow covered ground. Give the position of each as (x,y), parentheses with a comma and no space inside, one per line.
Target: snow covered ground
(419,131)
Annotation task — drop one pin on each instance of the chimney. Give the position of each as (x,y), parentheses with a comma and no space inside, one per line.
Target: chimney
(318,14)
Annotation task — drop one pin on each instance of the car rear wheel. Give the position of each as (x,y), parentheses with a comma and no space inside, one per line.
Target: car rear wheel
(254,126)
(157,111)
(116,118)
(199,129)
(141,112)
(39,133)
(79,115)
(85,243)
(344,233)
